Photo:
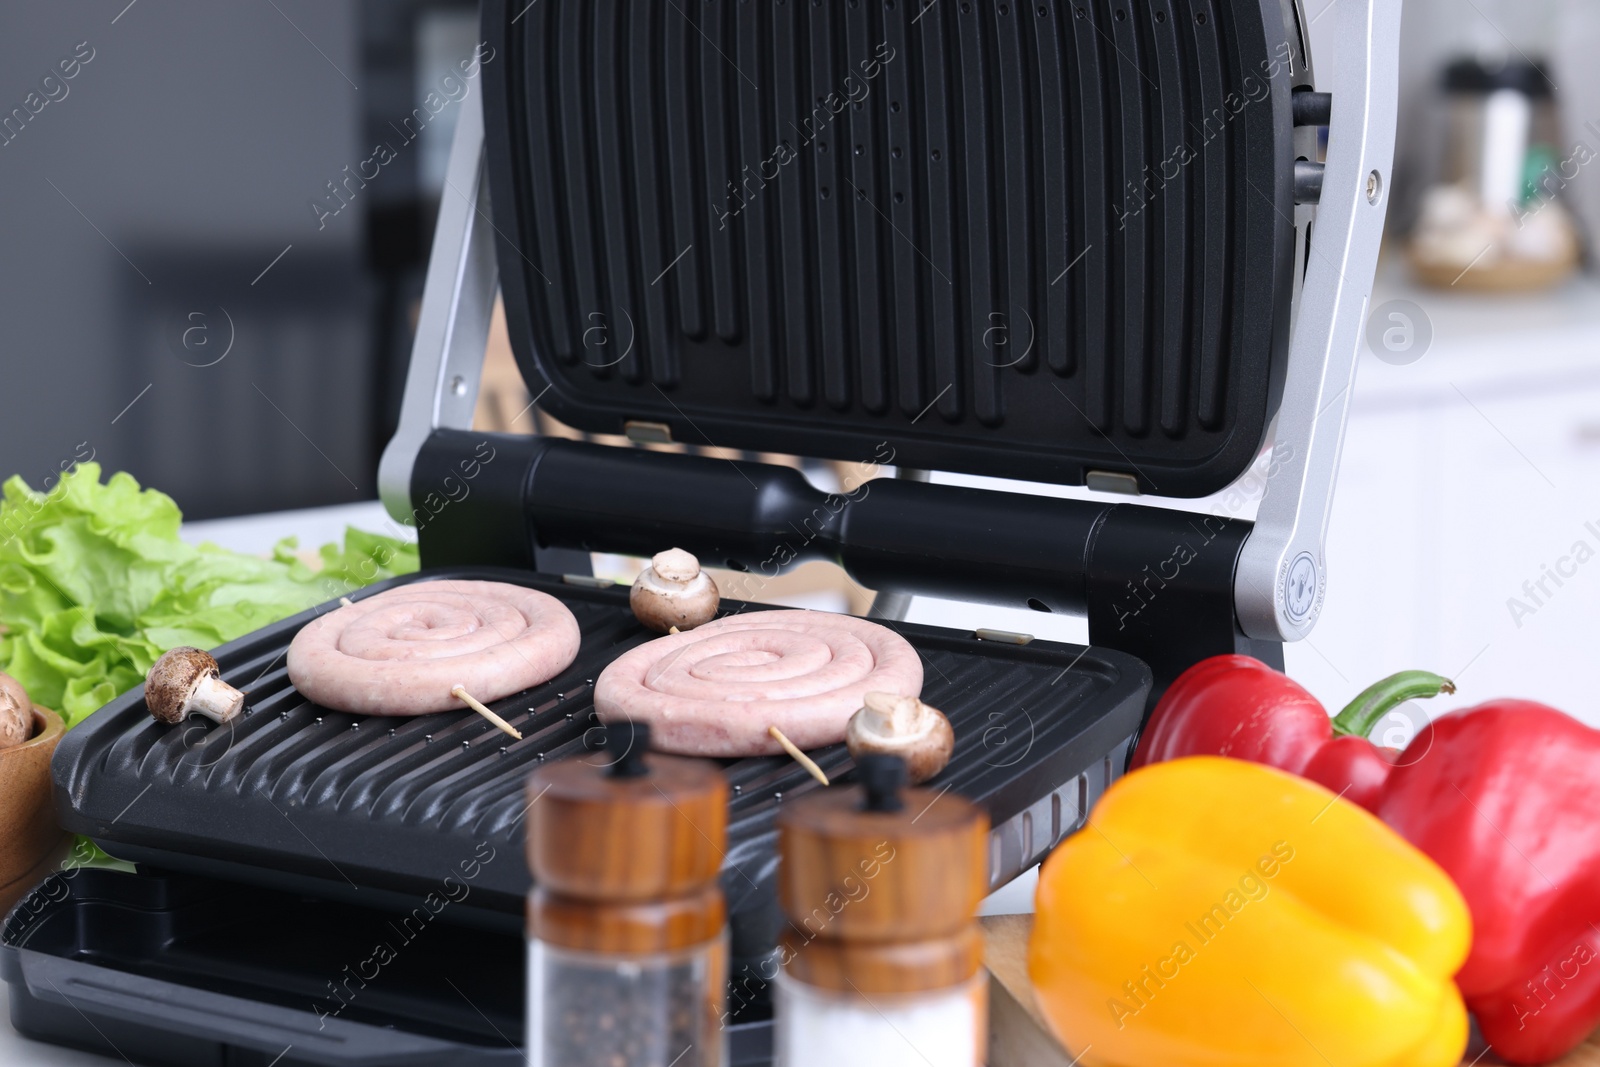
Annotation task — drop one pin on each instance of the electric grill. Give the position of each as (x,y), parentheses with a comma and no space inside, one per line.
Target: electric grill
(1063,242)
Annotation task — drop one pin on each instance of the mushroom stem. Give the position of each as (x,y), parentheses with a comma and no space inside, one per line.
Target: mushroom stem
(891,724)
(215,699)
(889,713)
(16,712)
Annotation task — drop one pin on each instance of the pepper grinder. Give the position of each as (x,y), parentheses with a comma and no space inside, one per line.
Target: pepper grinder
(627,928)
(882,952)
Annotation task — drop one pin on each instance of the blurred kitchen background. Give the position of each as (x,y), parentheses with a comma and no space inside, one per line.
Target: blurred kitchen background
(193,290)
(161,210)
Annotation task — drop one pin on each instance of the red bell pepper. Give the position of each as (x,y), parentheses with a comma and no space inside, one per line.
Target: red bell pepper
(1238,706)
(1506,798)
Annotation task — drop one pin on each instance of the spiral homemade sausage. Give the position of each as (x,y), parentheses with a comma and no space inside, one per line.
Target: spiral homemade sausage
(400,652)
(715,690)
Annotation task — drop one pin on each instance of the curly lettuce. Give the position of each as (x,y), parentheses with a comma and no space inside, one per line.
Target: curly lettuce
(95,585)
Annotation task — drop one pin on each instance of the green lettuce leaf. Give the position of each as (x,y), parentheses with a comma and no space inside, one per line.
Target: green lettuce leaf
(95,585)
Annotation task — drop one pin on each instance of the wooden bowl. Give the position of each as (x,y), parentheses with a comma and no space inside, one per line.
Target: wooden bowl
(30,841)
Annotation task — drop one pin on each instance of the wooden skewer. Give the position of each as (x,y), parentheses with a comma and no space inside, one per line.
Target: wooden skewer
(472,702)
(673,630)
(346,602)
(799,757)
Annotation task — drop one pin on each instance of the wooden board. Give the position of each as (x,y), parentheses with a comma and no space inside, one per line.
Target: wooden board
(1019,1036)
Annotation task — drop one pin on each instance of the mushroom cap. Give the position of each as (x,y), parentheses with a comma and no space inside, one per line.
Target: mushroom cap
(16,712)
(674,591)
(890,724)
(172,680)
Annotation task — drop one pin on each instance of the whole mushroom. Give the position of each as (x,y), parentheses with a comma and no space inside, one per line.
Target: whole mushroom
(187,681)
(892,725)
(16,712)
(674,592)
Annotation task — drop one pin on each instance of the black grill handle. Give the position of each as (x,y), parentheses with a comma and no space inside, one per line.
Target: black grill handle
(1153,582)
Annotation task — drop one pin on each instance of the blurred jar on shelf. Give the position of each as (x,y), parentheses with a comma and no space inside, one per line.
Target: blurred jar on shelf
(1495,218)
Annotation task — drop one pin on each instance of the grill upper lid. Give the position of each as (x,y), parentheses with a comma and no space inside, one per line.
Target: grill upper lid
(1020,240)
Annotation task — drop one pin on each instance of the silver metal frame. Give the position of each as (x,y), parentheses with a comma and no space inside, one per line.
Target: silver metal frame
(453,326)
(1282,574)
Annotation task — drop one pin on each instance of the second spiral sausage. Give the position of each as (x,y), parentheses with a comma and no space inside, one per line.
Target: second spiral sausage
(715,690)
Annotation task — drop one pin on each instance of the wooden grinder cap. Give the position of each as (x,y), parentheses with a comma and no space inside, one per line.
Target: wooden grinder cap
(881,885)
(625,848)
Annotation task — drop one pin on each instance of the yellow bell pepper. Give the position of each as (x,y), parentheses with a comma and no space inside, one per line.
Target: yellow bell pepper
(1222,913)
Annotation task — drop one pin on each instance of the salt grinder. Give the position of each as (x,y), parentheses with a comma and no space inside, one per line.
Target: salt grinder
(627,928)
(882,952)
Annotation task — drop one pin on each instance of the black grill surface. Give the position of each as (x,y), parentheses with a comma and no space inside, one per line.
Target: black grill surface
(292,793)
(1016,239)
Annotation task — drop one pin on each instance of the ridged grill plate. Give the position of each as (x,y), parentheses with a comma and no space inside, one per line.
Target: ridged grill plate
(292,790)
(1029,240)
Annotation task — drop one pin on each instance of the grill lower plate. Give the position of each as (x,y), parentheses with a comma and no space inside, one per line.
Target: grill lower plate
(390,812)
(178,971)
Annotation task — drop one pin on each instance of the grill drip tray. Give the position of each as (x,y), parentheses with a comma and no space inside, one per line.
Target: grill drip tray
(175,969)
(178,970)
